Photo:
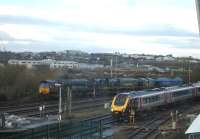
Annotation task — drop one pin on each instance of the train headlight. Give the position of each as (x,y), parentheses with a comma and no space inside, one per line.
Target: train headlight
(123,110)
(111,109)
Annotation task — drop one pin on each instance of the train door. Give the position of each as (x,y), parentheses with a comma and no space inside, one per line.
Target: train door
(133,104)
(194,92)
(140,103)
(198,91)
(168,97)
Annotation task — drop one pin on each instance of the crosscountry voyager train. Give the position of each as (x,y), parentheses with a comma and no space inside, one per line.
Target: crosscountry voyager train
(148,99)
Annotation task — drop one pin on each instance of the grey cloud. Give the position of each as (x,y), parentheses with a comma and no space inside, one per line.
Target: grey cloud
(151,30)
(11,19)
(5,36)
(148,30)
(193,43)
(39,46)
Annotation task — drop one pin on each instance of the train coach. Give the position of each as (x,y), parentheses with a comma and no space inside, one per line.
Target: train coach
(81,85)
(152,98)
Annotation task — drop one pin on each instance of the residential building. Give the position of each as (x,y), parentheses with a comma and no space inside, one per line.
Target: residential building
(90,66)
(64,64)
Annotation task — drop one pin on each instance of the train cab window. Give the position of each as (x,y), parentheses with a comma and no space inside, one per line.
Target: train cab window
(120,100)
(44,85)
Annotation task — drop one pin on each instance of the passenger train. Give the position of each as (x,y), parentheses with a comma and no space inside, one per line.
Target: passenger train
(148,99)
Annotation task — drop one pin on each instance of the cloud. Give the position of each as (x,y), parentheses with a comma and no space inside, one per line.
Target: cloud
(148,30)
(13,19)
(145,30)
(131,26)
(5,37)
(180,42)
(116,43)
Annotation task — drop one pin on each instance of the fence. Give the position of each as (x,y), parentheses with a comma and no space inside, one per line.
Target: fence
(87,129)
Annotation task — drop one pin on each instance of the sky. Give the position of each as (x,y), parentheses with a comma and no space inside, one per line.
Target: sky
(124,26)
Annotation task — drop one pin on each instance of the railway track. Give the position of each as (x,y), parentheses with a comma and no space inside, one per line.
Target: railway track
(148,128)
(52,107)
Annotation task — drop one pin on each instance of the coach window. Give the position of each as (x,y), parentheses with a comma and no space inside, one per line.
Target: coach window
(151,99)
(145,100)
(190,91)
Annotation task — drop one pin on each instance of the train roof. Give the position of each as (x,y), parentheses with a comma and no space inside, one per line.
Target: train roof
(48,81)
(145,92)
(155,91)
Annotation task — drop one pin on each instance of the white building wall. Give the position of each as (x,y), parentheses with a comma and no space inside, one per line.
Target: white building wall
(52,63)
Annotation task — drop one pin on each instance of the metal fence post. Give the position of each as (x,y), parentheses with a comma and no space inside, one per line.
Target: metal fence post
(58,130)
(32,133)
(47,131)
(100,128)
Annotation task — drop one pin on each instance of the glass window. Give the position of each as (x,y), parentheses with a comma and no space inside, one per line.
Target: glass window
(44,85)
(120,100)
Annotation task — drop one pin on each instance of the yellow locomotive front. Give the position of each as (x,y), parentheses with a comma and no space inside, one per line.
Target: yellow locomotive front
(119,105)
(44,88)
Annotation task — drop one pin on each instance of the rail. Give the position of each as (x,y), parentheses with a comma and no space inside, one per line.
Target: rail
(33,109)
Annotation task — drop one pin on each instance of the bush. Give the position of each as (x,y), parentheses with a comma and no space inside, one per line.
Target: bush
(18,82)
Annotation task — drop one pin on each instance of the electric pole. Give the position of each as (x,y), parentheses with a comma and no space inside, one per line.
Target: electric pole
(111,64)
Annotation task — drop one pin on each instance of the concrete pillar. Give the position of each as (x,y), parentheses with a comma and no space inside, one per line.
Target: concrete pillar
(174,119)
(3,119)
(132,116)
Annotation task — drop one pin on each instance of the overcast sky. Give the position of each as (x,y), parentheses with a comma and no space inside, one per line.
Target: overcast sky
(125,26)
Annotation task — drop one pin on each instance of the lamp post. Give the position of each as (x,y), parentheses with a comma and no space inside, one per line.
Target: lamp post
(111,64)
(189,74)
(60,102)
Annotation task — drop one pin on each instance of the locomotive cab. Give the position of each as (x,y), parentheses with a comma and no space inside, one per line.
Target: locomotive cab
(44,87)
(120,105)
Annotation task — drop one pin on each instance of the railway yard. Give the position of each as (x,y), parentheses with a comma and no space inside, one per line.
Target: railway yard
(158,124)
(51,107)
(149,125)
(99,69)
(61,112)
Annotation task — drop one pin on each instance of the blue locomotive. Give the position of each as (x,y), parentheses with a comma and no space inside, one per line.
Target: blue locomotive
(88,85)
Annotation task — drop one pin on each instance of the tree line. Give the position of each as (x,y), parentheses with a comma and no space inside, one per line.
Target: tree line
(17,82)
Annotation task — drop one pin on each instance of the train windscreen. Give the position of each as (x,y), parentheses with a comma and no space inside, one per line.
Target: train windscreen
(44,85)
(120,100)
